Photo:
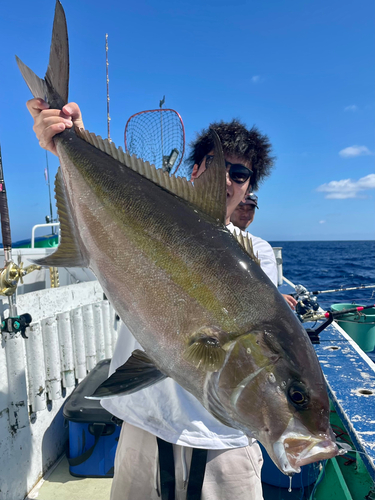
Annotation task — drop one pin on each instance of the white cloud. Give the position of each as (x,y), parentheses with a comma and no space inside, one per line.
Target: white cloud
(322,222)
(352,107)
(256,79)
(347,188)
(353,151)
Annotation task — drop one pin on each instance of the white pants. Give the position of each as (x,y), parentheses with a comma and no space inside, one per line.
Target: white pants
(230,474)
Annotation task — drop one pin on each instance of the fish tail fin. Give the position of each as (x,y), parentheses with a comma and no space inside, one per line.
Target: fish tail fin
(36,85)
(54,88)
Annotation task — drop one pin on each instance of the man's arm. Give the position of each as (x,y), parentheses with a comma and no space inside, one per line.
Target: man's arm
(49,122)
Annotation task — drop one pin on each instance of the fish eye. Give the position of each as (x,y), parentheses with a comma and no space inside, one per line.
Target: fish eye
(298,395)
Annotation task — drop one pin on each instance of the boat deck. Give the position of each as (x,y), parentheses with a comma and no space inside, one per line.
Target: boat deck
(350,379)
(60,485)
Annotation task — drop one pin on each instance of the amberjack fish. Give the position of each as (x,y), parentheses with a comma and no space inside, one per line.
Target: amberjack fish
(194,297)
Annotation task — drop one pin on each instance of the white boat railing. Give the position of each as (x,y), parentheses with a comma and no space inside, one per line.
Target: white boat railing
(72,329)
(37,226)
(279,263)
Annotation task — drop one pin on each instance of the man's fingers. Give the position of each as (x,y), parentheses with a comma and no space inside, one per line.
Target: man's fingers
(35,106)
(72,109)
(47,134)
(290,300)
(47,119)
(49,122)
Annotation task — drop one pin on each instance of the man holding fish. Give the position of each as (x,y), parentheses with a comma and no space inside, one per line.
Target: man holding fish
(223,352)
(229,454)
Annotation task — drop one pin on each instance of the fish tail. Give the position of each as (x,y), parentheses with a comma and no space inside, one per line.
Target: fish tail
(54,88)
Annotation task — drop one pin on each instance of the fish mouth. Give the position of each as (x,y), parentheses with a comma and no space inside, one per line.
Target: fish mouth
(295,449)
(301,452)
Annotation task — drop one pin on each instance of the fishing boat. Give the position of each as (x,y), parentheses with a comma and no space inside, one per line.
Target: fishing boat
(73,327)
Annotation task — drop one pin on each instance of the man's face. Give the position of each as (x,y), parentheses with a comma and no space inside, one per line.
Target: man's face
(243,216)
(235,192)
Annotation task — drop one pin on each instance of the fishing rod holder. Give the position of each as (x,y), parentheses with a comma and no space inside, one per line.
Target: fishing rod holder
(16,324)
(313,333)
(11,275)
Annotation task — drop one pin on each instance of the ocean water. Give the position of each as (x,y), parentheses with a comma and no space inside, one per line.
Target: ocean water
(326,265)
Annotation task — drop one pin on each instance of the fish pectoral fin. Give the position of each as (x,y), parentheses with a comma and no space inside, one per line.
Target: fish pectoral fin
(69,253)
(206,353)
(137,373)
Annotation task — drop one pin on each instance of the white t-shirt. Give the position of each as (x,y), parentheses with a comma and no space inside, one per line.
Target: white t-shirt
(166,409)
(263,250)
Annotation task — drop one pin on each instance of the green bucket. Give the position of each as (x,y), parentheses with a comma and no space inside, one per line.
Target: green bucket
(360,326)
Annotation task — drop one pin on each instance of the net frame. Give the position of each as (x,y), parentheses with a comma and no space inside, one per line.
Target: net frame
(153,135)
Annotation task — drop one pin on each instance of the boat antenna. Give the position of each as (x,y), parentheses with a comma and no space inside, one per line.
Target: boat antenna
(46,175)
(106,65)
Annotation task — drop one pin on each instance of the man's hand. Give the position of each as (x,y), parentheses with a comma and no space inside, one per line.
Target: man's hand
(290,300)
(49,122)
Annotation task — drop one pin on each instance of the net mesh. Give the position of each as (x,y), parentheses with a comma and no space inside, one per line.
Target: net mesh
(157,136)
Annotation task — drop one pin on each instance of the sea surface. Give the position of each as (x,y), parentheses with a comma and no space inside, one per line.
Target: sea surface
(327,265)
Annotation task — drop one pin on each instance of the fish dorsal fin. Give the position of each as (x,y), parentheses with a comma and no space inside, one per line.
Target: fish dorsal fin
(244,239)
(68,253)
(211,185)
(204,194)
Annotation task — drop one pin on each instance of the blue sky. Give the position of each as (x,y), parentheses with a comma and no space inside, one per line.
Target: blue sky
(303,72)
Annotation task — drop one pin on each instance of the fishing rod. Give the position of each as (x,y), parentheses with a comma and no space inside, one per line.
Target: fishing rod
(4,213)
(360,287)
(11,273)
(106,67)
(347,311)
(300,290)
(329,316)
(307,307)
(8,278)
(46,176)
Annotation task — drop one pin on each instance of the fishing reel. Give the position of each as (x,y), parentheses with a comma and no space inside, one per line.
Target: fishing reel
(11,274)
(307,310)
(307,304)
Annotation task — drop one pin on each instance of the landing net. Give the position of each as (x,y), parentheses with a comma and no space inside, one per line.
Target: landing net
(156,136)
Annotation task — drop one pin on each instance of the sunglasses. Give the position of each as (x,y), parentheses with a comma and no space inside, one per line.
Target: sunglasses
(237,172)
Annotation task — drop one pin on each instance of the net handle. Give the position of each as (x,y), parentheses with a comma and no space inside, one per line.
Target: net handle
(158,111)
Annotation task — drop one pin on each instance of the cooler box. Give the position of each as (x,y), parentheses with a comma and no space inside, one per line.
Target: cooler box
(93,435)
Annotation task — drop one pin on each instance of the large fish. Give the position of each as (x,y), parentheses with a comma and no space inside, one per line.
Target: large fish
(201,307)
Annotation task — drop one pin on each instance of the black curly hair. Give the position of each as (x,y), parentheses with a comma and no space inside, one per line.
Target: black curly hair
(237,140)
